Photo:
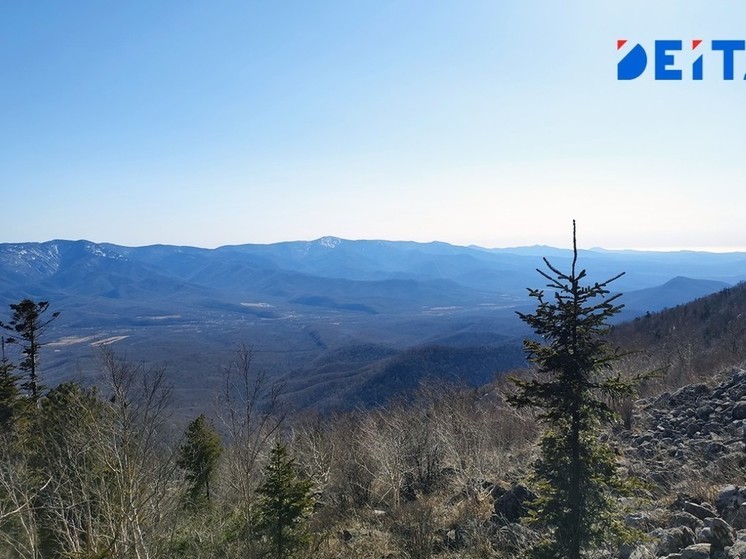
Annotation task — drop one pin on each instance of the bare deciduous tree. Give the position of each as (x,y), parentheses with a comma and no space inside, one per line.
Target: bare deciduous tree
(116,485)
(249,410)
(19,491)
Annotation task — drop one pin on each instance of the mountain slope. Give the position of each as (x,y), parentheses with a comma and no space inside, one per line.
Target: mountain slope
(676,291)
(693,339)
(439,310)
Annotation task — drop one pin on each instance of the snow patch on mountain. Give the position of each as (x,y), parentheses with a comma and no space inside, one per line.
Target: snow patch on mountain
(329,242)
(31,258)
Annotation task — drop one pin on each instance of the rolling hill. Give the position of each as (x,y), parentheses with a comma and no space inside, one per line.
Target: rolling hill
(342,322)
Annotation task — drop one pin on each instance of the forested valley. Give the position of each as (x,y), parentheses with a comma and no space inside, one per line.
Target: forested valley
(105,471)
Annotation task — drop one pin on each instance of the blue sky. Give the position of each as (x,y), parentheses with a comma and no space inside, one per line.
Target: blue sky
(472,122)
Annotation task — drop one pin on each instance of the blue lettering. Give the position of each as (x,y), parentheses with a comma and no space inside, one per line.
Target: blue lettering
(663,60)
(728,48)
(633,64)
(697,69)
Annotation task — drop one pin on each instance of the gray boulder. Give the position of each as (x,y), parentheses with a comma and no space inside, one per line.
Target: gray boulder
(683,518)
(736,518)
(700,511)
(673,540)
(731,505)
(730,497)
(635,551)
(722,534)
(696,551)
(737,551)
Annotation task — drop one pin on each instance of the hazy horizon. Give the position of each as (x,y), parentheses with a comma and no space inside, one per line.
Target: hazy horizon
(718,250)
(493,124)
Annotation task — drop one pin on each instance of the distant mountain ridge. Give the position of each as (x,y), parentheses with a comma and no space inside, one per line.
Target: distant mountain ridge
(692,340)
(297,302)
(672,293)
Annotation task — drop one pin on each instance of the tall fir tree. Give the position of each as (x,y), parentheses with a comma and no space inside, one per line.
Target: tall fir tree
(9,393)
(198,457)
(28,325)
(285,502)
(576,474)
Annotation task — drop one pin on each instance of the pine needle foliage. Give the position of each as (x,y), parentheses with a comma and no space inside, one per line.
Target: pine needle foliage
(198,457)
(9,393)
(27,325)
(576,475)
(285,502)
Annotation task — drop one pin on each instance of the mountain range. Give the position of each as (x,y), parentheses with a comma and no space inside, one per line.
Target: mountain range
(341,322)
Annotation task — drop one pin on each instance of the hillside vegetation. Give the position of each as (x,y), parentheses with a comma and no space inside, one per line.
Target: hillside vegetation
(441,472)
(691,341)
(304,307)
(441,476)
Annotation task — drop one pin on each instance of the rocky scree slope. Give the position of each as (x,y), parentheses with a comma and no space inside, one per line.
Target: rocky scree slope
(689,447)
